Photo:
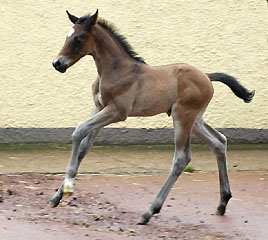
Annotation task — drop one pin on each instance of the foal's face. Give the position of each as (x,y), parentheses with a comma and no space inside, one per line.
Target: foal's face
(79,42)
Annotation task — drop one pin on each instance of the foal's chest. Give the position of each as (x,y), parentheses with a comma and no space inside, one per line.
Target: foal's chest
(100,99)
(109,90)
(105,94)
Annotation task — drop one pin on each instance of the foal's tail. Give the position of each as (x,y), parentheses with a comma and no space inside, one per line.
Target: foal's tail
(232,83)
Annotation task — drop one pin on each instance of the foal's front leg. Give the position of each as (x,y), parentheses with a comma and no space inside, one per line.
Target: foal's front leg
(82,138)
(85,145)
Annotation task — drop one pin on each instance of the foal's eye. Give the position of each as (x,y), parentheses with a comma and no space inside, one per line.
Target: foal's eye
(78,39)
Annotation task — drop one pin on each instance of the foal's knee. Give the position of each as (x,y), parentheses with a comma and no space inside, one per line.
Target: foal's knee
(78,135)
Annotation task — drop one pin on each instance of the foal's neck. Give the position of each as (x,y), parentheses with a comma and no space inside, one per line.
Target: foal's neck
(109,54)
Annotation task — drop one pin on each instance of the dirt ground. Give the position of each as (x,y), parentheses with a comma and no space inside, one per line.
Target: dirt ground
(118,185)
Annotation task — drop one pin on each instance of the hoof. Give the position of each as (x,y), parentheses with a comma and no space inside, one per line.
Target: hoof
(67,195)
(221,210)
(53,204)
(67,190)
(144,219)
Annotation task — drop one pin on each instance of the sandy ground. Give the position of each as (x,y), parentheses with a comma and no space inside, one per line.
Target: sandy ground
(118,185)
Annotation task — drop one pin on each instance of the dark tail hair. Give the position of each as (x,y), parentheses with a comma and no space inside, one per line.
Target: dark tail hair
(232,83)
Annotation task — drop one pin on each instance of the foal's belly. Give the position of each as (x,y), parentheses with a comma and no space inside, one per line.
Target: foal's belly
(154,101)
(147,112)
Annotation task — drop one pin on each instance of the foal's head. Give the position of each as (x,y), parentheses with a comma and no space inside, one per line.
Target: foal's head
(79,42)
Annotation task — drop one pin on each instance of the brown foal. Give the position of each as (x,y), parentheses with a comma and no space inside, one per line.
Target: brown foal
(127,86)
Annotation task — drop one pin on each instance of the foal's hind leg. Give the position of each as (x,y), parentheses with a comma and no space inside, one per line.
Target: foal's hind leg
(217,142)
(84,147)
(182,157)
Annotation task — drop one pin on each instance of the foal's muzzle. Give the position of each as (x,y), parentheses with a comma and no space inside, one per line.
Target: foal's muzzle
(59,65)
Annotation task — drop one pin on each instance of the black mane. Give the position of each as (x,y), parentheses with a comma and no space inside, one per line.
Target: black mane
(120,38)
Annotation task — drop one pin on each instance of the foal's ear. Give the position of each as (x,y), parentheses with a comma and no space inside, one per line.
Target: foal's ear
(92,21)
(94,18)
(72,18)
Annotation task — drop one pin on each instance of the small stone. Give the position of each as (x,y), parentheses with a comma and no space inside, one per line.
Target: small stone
(39,193)
(10,192)
(86,225)
(1,198)
(132,230)
(73,205)
(246,221)
(115,229)
(97,218)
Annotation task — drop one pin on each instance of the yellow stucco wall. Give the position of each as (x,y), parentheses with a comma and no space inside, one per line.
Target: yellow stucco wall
(214,35)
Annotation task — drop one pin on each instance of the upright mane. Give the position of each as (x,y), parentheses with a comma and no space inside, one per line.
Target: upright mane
(110,28)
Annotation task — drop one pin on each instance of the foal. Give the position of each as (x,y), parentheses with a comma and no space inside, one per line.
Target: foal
(127,86)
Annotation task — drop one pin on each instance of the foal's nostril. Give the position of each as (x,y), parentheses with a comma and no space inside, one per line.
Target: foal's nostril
(59,66)
(56,63)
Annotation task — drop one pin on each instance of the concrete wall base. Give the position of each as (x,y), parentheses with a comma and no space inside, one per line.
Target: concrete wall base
(124,136)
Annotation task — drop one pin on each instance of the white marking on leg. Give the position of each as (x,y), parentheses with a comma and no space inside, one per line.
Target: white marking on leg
(68,185)
(71,32)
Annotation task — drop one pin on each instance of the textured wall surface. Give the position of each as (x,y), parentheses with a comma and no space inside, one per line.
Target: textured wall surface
(214,35)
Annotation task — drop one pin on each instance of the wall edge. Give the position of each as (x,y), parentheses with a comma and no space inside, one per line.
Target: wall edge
(124,136)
